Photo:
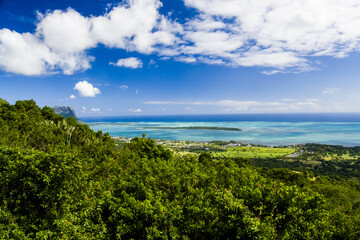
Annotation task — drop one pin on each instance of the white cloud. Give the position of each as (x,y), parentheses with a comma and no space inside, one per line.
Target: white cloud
(271,72)
(128,62)
(134,20)
(205,23)
(138,110)
(153,63)
(24,54)
(57,45)
(137,91)
(66,31)
(218,43)
(274,33)
(72,96)
(84,109)
(95,109)
(279,34)
(186,59)
(86,89)
(331,91)
(124,87)
(287,100)
(61,38)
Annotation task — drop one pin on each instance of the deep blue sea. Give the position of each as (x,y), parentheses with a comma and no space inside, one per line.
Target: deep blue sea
(268,129)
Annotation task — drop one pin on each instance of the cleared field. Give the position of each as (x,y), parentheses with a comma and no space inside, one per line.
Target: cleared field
(330,157)
(254,152)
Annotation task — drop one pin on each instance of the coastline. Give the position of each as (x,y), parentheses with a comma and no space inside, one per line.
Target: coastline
(252,132)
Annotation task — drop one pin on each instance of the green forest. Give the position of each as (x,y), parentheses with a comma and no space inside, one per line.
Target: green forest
(61,180)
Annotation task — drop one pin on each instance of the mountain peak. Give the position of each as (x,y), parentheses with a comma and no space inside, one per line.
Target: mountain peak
(65,111)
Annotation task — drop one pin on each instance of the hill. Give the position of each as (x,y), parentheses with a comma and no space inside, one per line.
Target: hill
(61,180)
(65,111)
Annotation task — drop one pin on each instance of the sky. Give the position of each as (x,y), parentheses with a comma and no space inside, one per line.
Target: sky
(152,57)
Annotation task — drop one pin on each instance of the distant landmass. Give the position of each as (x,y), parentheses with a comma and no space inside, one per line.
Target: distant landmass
(65,111)
(197,128)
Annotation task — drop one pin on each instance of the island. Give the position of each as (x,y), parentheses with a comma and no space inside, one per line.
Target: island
(197,128)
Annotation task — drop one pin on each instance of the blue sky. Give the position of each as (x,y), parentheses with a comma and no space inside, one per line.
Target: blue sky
(151,57)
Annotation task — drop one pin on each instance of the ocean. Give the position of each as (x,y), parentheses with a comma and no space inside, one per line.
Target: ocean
(266,129)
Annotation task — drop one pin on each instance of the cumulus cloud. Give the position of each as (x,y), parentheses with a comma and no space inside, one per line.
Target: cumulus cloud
(281,35)
(274,33)
(72,96)
(62,38)
(65,31)
(86,89)
(57,45)
(129,26)
(138,110)
(24,54)
(128,62)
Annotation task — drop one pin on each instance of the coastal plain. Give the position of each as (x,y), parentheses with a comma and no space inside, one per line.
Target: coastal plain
(332,160)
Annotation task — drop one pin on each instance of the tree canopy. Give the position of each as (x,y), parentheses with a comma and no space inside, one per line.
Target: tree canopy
(61,180)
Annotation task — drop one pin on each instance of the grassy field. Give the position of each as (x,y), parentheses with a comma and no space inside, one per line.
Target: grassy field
(332,161)
(330,157)
(253,152)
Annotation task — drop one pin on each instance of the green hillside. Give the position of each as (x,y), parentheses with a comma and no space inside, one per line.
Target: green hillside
(61,180)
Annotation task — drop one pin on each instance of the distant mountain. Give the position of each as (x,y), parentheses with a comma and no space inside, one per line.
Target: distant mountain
(65,111)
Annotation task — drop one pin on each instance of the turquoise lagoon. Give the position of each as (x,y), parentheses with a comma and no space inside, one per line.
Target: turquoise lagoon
(275,129)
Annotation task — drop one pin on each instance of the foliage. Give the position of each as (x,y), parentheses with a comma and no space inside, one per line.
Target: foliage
(334,149)
(61,180)
(254,152)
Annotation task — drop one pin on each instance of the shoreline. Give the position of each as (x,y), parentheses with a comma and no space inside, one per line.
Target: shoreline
(256,133)
(235,143)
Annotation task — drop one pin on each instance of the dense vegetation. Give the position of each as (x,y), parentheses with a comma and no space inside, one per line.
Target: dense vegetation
(339,162)
(331,160)
(61,180)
